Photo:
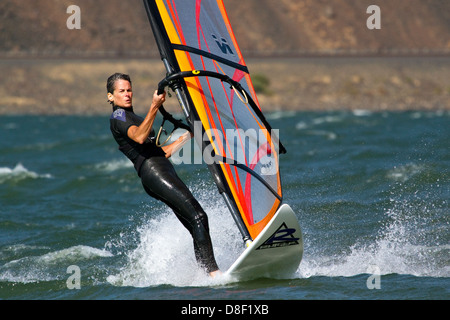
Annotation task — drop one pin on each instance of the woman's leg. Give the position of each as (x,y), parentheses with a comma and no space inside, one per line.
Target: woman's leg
(160,181)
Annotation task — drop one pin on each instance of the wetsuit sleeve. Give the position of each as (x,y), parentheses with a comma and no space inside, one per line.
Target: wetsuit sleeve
(121,122)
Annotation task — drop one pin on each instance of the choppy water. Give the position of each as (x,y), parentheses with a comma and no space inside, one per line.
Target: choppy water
(371,191)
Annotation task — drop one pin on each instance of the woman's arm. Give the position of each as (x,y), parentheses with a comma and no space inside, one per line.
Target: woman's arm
(177,144)
(141,133)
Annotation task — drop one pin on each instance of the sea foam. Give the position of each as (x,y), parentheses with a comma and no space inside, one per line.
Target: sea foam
(19,172)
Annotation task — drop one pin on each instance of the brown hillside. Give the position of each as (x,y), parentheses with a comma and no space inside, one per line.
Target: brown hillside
(263,27)
(31,29)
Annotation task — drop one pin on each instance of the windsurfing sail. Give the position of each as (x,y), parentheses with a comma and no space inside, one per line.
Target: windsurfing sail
(206,70)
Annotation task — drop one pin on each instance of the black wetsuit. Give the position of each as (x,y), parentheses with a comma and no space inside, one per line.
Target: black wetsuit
(160,181)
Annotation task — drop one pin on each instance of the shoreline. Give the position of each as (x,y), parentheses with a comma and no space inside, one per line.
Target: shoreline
(77,86)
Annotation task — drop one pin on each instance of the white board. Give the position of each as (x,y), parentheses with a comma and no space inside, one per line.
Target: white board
(275,253)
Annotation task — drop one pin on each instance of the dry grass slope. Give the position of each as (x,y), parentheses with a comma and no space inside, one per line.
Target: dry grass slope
(263,27)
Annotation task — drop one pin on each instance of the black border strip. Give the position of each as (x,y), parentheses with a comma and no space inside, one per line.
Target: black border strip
(210,56)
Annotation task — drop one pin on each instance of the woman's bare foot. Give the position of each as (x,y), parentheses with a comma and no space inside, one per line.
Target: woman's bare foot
(215,273)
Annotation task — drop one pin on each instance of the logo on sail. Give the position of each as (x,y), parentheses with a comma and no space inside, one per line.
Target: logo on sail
(223,45)
(283,237)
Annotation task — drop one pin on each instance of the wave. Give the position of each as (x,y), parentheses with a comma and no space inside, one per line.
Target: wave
(429,114)
(281,114)
(405,172)
(313,126)
(114,165)
(19,172)
(362,113)
(42,268)
(385,256)
(411,241)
